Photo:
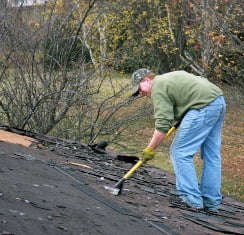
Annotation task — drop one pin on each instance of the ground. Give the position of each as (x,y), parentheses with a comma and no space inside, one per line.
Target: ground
(54,186)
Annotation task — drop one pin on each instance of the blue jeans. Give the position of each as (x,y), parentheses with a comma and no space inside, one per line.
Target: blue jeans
(200,130)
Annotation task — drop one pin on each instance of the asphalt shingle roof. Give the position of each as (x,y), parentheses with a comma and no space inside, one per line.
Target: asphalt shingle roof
(54,186)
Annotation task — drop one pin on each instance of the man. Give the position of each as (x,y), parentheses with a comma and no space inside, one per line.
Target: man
(201,106)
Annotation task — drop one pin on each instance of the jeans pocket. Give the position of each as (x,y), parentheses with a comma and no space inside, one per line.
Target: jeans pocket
(212,114)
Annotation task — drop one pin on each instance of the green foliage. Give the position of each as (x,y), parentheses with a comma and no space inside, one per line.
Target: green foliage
(139,36)
(162,35)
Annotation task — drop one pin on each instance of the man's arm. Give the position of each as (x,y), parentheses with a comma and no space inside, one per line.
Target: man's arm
(156,140)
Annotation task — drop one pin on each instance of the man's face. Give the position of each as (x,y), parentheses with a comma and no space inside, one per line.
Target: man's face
(145,87)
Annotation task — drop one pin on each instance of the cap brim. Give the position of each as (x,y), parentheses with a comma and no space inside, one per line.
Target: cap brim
(135,93)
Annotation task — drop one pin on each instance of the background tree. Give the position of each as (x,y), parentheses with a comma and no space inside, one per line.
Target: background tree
(140,36)
(48,81)
(215,39)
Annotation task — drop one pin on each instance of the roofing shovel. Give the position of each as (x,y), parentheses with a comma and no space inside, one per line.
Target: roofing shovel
(117,189)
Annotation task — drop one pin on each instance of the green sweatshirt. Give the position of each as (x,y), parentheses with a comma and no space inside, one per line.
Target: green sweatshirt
(176,92)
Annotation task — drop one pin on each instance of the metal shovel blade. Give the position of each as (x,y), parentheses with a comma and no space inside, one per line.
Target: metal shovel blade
(112,190)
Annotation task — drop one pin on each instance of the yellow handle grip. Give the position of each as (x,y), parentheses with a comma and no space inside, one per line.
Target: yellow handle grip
(170,131)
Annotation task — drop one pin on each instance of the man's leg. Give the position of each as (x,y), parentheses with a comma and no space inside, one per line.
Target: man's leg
(185,145)
(210,153)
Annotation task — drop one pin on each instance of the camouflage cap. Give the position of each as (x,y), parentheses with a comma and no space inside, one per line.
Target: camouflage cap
(136,78)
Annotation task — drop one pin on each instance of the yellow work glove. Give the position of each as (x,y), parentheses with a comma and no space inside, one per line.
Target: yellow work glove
(148,154)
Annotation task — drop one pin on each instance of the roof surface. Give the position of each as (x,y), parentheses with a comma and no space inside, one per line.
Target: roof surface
(55,186)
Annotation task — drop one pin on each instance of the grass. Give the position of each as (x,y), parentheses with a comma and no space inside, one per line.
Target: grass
(233,154)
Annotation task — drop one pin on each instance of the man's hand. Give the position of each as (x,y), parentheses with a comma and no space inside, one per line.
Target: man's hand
(148,154)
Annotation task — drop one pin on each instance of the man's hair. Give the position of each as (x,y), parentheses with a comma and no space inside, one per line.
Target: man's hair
(151,76)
